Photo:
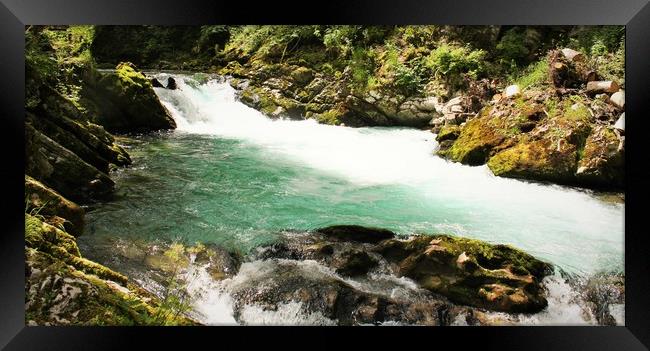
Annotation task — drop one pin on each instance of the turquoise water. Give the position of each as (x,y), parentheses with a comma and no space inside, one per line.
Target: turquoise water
(230,176)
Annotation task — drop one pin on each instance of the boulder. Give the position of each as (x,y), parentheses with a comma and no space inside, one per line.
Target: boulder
(156,83)
(475,143)
(471,272)
(618,99)
(603,160)
(537,160)
(449,132)
(124,101)
(596,87)
(171,83)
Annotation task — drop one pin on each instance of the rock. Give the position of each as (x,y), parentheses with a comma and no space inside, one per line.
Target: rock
(354,263)
(618,99)
(475,143)
(537,160)
(171,83)
(62,288)
(596,87)
(572,55)
(603,160)
(496,277)
(302,75)
(620,122)
(48,202)
(512,91)
(356,233)
(329,300)
(126,102)
(156,83)
(449,132)
(60,169)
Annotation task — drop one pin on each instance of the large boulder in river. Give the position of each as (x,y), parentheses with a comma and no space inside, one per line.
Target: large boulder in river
(471,272)
(124,101)
(465,271)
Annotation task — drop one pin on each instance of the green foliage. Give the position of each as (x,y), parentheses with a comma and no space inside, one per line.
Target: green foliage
(453,63)
(598,40)
(536,74)
(611,65)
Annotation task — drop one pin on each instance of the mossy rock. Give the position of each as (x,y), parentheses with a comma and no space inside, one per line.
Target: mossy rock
(471,272)
(126,102)
(603,160)
(59,294)
(475,142)
(537,160)
(47,202)
(448,132)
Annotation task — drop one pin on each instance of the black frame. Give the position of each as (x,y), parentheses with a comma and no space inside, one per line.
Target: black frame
(635,14)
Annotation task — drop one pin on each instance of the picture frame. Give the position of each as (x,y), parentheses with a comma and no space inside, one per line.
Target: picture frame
(634,14)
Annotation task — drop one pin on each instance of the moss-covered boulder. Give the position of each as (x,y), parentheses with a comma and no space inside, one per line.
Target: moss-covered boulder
(471,272)
(124,101)
(449,132)
(475,143)
(537,160)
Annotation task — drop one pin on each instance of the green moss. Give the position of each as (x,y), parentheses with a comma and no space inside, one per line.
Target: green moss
(535,75)
(448,132)
(536,160)
(475,142)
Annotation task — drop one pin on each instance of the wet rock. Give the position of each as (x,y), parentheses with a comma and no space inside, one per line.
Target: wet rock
(356,233)
(156,83)
(354,263)
(171,83)
(471,272)
(450,132)
(475,143)
(277,283)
